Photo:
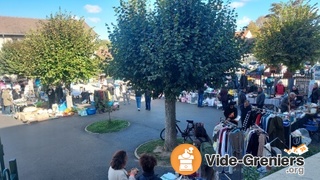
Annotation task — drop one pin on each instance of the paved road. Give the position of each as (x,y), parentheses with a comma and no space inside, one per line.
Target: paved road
(62,149)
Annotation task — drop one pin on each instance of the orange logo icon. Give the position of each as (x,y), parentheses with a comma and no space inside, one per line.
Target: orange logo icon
(185,159)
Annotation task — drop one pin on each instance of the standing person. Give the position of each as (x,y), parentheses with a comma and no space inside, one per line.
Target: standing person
(260,98)
(200,96)
(148,95)
(16,94)
(148,162)
(244,109)
(242,96)
(124,91)
(223,97)
(269,84)
(231,113)
(138,94)
(279,89)
(59,92)
(51,97)
(7,100)
(117,169)
(243,81)
(315,93)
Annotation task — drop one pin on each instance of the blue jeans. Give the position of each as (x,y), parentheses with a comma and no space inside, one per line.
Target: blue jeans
(148,103)
(200,100)
(138,100)
(7,110)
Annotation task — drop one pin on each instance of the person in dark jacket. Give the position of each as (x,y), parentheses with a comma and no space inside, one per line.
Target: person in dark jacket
(51,97)
(295,90)
(223,97)
(148,95)
(59,92)
(245,108)
(148,162)
(315,93)
(16,94)
(260,98)
(200,96)
(231,113)
(243,81)
(242,96)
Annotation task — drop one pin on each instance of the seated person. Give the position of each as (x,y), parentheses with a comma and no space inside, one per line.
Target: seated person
(148,162)
(85,96)
(288,102)
(295,90)
(231,112)
(202,136)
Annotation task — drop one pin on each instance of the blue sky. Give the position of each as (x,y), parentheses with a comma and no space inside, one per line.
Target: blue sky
(99,12)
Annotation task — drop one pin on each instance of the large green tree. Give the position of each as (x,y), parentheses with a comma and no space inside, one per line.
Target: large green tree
(174,46)
(13,59)
(62,50)
(290,35)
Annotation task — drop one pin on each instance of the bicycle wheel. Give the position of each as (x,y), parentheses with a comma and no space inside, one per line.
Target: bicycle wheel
(163,133)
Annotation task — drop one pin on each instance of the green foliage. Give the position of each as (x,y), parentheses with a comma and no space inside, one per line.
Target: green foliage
(250,173)
(290,35)
(178,45)
(254,29)
(13,59)
(62,50)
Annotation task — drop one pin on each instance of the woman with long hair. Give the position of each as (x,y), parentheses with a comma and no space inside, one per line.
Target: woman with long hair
(117,169)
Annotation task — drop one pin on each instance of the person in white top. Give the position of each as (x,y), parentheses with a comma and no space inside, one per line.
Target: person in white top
(125,93)
(117,169)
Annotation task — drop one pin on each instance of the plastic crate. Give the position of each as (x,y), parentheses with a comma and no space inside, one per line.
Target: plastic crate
(91,111)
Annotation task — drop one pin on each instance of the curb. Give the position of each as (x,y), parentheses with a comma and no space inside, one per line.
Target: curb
(138,157)
(85,129)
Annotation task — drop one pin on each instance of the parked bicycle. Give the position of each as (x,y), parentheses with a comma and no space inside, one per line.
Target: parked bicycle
(188,133)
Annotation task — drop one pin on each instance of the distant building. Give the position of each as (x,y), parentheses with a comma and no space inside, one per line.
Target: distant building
(246,34)
(15,28)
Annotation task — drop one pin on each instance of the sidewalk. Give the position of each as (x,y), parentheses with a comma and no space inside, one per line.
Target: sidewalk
(311,171)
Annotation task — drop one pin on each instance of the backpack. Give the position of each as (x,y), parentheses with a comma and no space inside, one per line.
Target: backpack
(205,148)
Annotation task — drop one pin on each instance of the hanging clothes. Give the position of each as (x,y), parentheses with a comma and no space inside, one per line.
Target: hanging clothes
(276,130)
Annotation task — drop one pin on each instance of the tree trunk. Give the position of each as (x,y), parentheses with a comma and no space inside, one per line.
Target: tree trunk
(171,135)
(69,96)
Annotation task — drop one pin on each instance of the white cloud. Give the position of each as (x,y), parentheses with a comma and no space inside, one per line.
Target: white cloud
(92,8)
(237,4)
(94,19)
(244,21)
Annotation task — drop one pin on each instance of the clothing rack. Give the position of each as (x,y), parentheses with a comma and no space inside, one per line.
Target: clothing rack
(280,115)
(230,125)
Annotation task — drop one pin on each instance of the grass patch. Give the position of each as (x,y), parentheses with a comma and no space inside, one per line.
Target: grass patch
(156,148)
(107,126)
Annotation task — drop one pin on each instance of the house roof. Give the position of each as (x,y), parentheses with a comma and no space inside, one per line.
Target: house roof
(244,35)
(17,25)
(21,25)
